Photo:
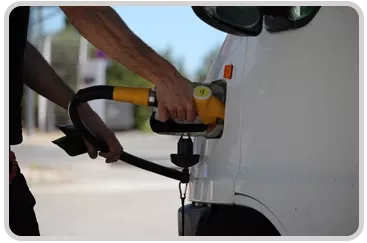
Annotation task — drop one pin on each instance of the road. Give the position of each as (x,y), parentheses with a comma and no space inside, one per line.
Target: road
(80,197)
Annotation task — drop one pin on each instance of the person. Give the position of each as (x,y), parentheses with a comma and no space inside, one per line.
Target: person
(103,28)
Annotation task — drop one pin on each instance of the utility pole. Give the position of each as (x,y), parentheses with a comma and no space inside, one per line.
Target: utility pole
(94,70)
(83,50)
(46,111)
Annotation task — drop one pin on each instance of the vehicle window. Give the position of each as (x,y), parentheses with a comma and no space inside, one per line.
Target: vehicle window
(239,16)
(235,20)
(249,20)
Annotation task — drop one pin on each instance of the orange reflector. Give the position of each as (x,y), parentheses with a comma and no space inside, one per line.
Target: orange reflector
(228,69)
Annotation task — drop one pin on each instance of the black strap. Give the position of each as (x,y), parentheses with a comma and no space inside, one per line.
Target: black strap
(183,197)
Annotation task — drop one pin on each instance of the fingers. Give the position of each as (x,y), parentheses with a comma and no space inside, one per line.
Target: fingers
(114,150)
(92,152)
(163,113)
(110,156)
(113,155)
(190,112)
(172,113)
(175,101)
(181,114)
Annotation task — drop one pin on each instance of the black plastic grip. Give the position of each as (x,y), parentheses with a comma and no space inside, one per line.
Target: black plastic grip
(170,126)
(95,93)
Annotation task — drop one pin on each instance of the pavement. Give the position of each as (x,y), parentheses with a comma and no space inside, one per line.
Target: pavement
(42,161)
(81,197)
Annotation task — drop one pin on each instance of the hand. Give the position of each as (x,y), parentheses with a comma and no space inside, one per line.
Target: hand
(99,128)
(114,147)
(175,100)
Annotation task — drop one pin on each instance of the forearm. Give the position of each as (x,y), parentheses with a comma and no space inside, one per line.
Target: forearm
(42,78)
(103,27)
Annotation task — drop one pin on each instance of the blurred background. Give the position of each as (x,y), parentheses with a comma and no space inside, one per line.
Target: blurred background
(83,197)
(174,32)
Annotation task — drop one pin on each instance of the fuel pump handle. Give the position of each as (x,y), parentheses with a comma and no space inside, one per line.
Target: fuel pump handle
(209,109)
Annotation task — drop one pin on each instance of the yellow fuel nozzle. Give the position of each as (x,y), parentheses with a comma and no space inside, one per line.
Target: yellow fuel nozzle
(133,95)
(208,107)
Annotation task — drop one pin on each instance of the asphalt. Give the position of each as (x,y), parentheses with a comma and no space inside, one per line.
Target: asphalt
(81,197)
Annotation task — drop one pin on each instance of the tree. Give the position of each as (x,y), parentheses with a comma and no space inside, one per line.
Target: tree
(66,22)
(202,72)
(179,63)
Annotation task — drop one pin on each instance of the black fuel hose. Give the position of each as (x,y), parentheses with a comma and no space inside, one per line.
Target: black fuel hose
(106,92)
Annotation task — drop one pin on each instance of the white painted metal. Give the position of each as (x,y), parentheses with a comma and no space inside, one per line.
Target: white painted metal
(290,147)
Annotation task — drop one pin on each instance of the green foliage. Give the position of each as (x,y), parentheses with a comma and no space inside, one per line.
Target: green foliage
(202,72)
(65,54)
(66,22)
(179,63)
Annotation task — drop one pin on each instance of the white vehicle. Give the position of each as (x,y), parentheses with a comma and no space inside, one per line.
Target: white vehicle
(287,161)
(282,157)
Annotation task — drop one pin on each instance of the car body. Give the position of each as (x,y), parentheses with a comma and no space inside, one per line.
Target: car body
(287,162)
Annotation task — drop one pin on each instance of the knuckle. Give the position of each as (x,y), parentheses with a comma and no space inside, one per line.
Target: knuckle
(189,107)
(171,108)
(180,108)
(117,154)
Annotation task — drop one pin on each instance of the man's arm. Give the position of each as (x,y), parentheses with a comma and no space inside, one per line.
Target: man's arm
(104,28)
(42,78)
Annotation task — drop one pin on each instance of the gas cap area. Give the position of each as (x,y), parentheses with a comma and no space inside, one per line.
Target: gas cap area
(210,99)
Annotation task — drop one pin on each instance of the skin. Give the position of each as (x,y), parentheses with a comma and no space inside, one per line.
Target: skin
(104,28)
(42,78)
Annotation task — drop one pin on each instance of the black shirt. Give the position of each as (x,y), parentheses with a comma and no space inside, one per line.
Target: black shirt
(18,31)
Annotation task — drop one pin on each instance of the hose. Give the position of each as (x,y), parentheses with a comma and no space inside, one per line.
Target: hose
(107,92)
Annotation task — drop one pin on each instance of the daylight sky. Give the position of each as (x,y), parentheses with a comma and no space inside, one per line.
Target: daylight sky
(159,27)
